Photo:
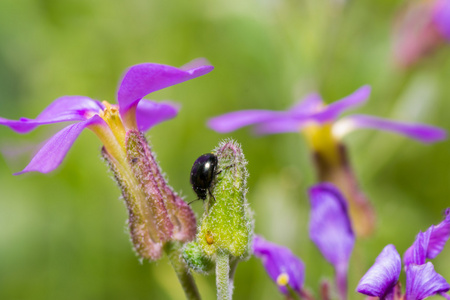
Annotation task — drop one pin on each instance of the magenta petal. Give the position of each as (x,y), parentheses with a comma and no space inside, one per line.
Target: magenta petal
(422,281)
(441,17)
(141,80)
(381,278)
(235,120)
(332,111)
(420,132)
(150,113)
(50,156)
(277,260)
(68,108)
(330,229)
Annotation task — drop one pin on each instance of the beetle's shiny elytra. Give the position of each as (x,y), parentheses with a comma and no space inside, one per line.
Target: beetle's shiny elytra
(202,174)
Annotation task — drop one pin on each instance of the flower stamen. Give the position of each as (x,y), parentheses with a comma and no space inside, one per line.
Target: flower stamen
(112,117)
(283,279)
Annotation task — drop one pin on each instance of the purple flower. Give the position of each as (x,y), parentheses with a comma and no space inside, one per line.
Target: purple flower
(430,243)
(323,130)
(421,27)
(281,264)
(109,122)
(441,17)
(330,229)
(422,281)
(312,110)
(383,275)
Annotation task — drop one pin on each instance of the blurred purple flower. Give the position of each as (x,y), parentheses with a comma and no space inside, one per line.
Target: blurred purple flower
(312,110)
(109,122)
(281,264)
(420,28)
(323,130)
(441,17)
(422,281)
(330,229)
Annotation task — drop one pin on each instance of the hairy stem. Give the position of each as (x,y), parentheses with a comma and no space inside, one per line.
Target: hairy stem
(173,251)
(222,276)
(233,266)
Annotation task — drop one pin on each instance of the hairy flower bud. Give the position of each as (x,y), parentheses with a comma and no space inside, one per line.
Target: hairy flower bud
(226,225)
(196,258)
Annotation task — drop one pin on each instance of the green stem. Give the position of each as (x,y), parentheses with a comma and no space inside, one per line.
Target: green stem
(222,276)
(173,251)
(292,295)
(233,266)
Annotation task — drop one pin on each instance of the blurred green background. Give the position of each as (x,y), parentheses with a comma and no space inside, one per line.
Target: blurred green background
(63,235)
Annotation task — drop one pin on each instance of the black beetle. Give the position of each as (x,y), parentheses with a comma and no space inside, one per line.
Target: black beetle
(202,174)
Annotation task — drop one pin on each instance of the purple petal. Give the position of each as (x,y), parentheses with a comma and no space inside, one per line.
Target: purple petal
(141,80)
(383,275)
(149,113)
(238,119)
(420,132)
(294,119)
(439,236)
(422,282)
(67,108)
(330,229)
(312,109)
(329,225)
(277,260)
(417,253)
(441,17)
(50,156)
(280,125)
(430,243)
(311,104)
(269,121)
(332,111)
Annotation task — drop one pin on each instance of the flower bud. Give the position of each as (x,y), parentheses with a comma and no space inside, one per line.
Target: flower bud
(196,258)
(226,225)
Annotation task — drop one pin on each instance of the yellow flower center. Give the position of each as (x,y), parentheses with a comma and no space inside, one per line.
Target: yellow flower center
(112,117)
(321,139)
(283,279)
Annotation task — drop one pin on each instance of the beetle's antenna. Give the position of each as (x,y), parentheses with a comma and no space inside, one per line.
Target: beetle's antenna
(189,203)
